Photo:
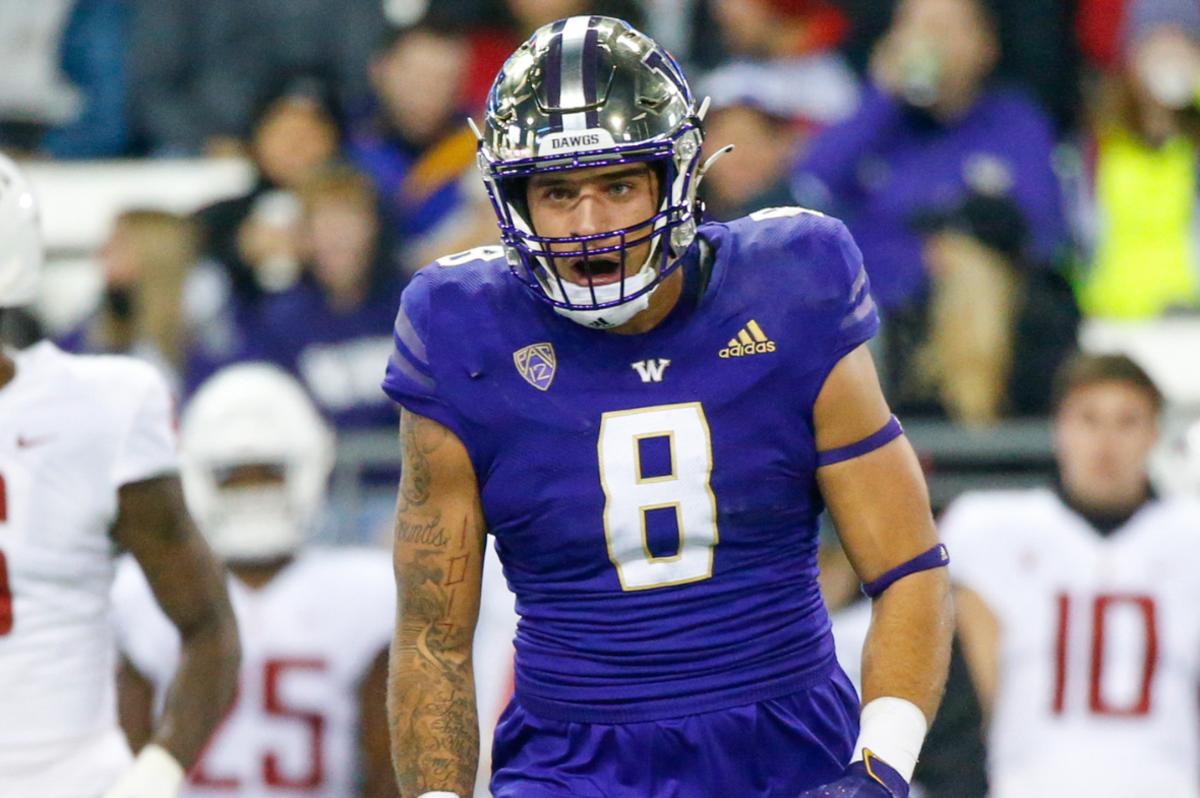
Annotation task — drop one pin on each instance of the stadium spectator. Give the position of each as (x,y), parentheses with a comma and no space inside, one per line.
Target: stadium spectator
(332,326)
(529,15)
(252,237)
(754,175)
(1138,189)
(1040,42)
(199,69)
(985,360)
(931,128)
(1098,25)
(415,144)
(779,55)
(145,261)
(1076,605)
(771,29)
(63,77)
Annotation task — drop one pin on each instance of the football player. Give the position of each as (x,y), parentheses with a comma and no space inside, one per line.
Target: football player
(648,413)
(1077,605)
(87,466)
(315,622)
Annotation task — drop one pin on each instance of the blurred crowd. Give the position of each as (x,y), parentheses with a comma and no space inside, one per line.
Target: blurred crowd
(1008,167)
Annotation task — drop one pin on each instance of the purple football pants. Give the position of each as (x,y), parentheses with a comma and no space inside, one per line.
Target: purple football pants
(772,749)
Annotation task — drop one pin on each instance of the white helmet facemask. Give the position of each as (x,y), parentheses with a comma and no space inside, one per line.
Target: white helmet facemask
(616,314)
(254,523)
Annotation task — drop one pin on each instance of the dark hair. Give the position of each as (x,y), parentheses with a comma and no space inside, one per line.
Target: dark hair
(1083,370)
(313,88)
(437,23)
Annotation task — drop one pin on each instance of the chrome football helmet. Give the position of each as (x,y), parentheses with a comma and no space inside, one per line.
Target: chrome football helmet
(20,238)
(592,91)
(254,415)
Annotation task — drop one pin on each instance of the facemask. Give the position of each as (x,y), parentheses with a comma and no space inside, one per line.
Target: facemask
(253,524)
(605,318)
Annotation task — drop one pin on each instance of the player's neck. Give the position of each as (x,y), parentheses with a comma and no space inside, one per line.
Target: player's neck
(257,575)
(1108,517)
(662,302)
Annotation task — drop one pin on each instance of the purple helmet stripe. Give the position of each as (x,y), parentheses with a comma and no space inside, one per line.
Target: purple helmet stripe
(591,58)
(554,59)
(662,62)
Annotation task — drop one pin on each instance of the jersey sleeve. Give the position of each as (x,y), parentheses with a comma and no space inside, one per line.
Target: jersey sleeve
(854,315)
(411,378)
(148,447)
(821,269)
(143,634)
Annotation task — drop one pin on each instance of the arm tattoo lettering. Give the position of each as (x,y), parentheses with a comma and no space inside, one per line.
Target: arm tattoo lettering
(431,687)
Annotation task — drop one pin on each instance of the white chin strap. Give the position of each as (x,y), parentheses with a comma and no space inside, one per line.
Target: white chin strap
(605,318)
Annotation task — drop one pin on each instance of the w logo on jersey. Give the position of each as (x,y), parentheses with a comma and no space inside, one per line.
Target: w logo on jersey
(536,363)
(651,370)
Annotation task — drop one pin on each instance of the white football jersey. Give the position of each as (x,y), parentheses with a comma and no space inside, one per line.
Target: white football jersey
(73,429)
(331,606)
(309,637)
(1100,644)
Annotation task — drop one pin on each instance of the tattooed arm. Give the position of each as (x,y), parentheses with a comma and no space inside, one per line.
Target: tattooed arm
(439,539)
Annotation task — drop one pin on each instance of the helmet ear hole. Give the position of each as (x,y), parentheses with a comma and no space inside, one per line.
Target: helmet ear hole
(516,192)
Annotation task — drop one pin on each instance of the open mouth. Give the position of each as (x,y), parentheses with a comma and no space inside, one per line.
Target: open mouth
(596,271)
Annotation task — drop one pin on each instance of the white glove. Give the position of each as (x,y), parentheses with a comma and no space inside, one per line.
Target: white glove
(154,774)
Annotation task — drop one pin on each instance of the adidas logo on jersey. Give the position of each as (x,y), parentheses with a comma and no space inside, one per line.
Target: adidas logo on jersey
(750,340)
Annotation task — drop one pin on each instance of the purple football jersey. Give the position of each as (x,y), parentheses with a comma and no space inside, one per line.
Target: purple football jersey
(653,497)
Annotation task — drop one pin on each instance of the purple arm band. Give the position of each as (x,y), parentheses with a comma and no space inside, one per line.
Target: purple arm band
(887,434)
(936,557)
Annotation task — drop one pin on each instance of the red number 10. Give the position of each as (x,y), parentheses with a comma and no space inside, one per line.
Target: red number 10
(1097,703)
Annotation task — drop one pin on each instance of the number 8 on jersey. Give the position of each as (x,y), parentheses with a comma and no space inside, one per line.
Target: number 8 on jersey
(652,459)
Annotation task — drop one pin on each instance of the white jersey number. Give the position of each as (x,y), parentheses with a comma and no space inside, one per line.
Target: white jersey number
(1131,611)
(680,434)
(486,252)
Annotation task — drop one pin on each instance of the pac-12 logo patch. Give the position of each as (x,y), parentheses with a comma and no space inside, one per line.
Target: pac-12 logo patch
(536,363)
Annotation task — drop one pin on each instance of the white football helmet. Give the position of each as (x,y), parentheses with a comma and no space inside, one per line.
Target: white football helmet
(255,414)
(20,238)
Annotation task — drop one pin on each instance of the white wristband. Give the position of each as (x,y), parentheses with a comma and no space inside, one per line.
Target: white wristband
(438,794)
(154,774)
(894,730)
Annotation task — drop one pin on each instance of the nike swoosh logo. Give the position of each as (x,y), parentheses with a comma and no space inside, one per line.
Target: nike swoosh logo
(29,443)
